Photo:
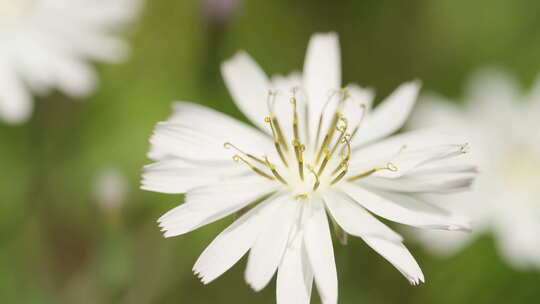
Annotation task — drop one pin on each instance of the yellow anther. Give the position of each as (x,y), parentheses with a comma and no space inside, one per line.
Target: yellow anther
(389,166)
(278,141)
(238,158)
(341,175)
(272,168)
(327,156)
(228,145)
(317,181)
(298,149)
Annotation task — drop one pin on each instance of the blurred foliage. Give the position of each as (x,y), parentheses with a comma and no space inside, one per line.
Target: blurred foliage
(58,246)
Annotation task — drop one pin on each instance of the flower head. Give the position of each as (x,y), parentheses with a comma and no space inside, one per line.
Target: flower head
(317,155)
(43,44)
(504,125)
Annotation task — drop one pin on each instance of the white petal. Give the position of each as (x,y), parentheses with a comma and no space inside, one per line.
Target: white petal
(207,204)
(355,220)
(178,176)
(199,133)
(402,209)
(358,105)
(248,86)
(407,160)
(320,251)
(322,73)
(424,183)
(399,256)
(267,252)
(16,104)
(390,115)
(231,244)
(378,154)
(295,277)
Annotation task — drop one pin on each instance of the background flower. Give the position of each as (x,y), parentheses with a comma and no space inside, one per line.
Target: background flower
(44,45)
(503,123)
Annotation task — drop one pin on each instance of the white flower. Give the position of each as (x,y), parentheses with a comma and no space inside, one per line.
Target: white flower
(44,44)
(110,189)
(318,156)
(505,201)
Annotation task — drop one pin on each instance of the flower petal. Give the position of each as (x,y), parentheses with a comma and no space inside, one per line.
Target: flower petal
(320,251)
(248,86)
(178,176)
(16,104)
(402,209)
(295,276)
(407,160)
(322,73)
(268,250)
(231,244)
(390,115)
(398,255)
(199,133)
(355,220)
(380,153)
(440,182)
(207,204)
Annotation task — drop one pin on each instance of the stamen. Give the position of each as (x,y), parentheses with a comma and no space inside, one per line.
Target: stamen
(357,127)
(276,141)
(342,174)
(333,125)
(465,148)
(341,129)
(298,147)
(272,168)
(295,115)
(274,123)
(238,158)
(347,140)
(327,156)
(228,145)
(319,125)
(317,181)
(389,166)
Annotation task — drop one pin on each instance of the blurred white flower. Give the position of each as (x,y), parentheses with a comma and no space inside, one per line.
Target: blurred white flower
(319,154)
(110,189)
(44,45)
(505,128)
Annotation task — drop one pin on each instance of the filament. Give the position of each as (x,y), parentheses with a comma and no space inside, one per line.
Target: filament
(238,158)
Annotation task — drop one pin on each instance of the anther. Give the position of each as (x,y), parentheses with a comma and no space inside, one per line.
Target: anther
(238,158)
(228,145)
(298,149)
(272,168)
(277,144)
(317,181)
(389,166)
(341,175)
(327,156)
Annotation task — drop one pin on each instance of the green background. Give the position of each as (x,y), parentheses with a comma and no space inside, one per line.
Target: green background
(58,246)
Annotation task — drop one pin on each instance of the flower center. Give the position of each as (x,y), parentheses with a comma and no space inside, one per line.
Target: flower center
(308,166)
(523,171)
